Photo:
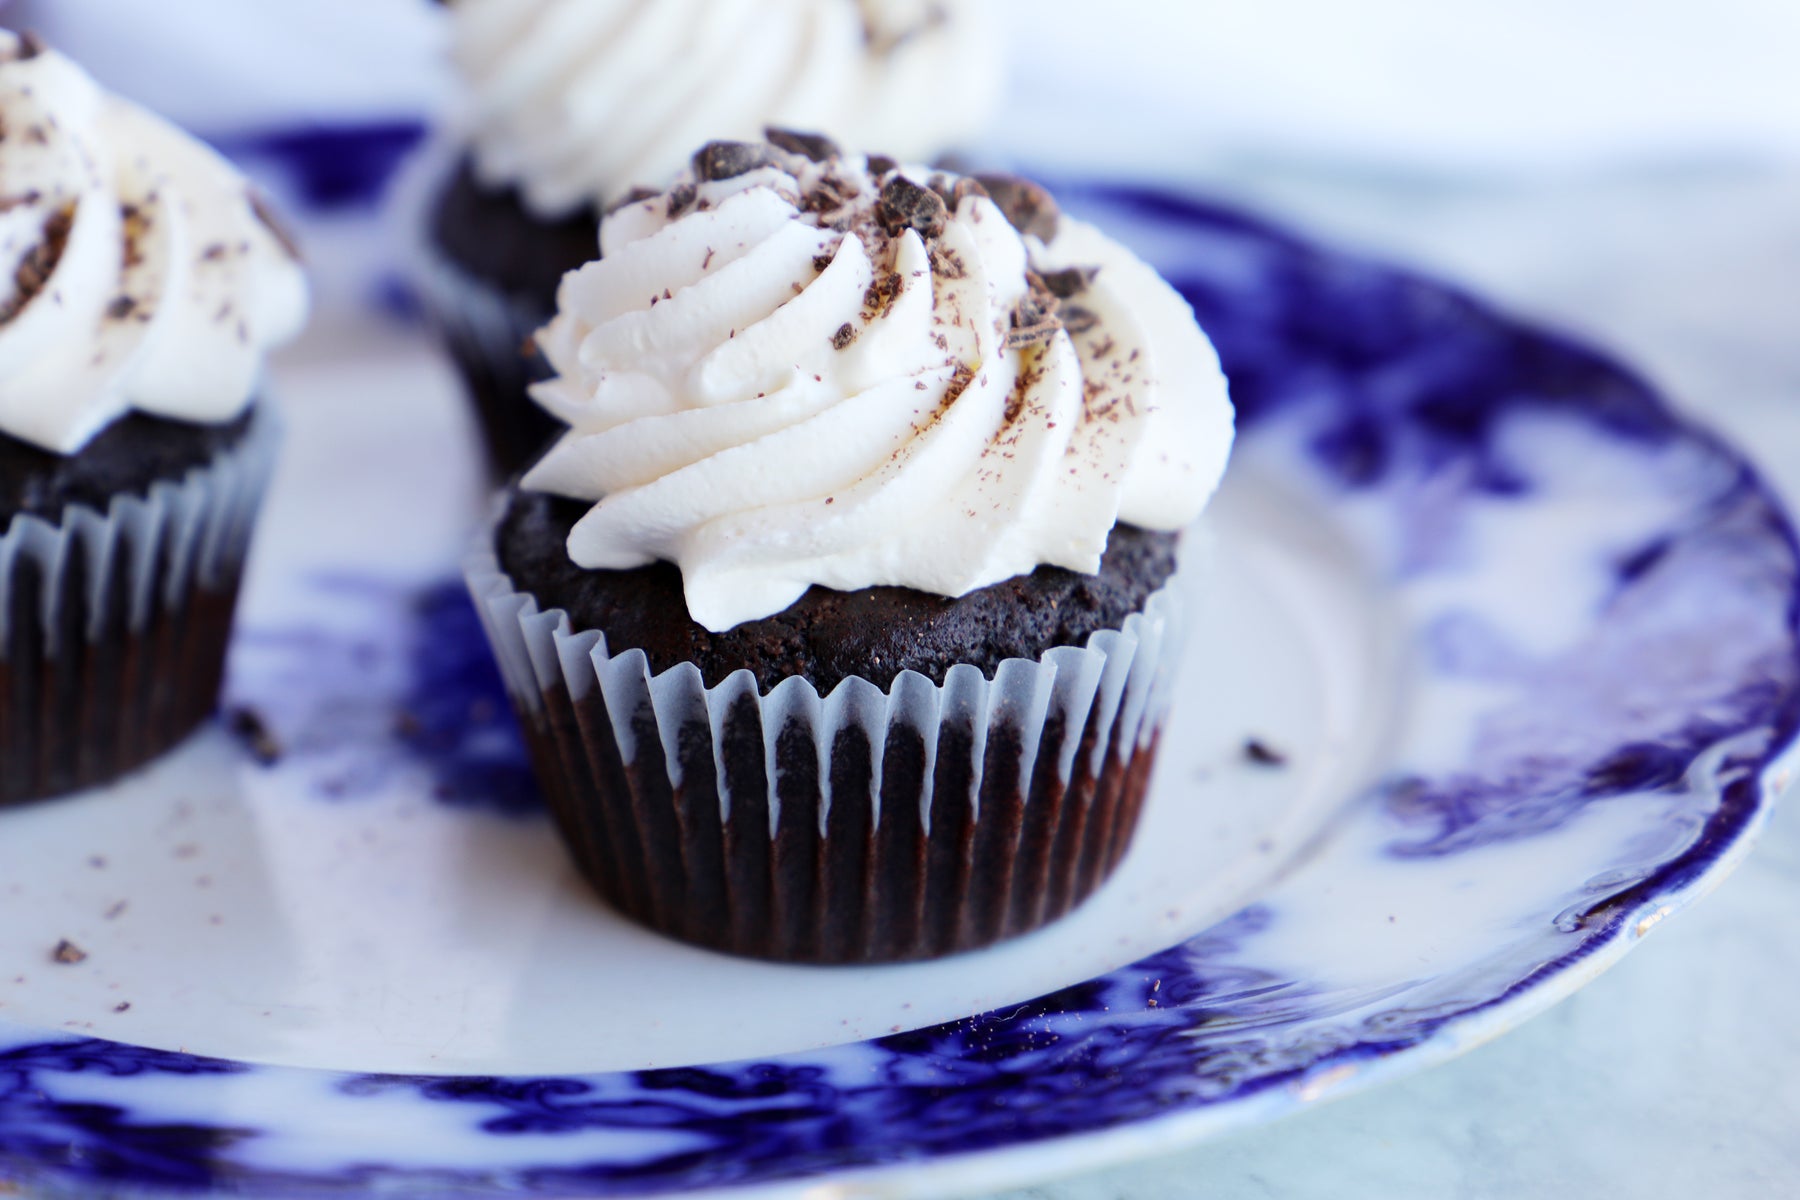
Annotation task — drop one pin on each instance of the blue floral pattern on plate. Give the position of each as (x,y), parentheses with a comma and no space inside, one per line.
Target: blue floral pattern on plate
(1484,468)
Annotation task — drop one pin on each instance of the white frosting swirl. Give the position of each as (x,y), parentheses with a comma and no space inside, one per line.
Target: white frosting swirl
(135,271)
(575,101)
(772,390)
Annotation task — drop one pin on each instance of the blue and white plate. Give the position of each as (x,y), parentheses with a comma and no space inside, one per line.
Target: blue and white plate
(1498,670)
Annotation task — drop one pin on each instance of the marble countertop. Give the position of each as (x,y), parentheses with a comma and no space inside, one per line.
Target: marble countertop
(1674,1075)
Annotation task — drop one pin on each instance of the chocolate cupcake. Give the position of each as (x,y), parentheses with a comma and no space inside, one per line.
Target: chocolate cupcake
(571,104)
(145,282)
(842,617)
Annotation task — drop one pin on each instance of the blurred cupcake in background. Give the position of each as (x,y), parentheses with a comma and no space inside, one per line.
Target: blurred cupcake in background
(571,104)
(141,281)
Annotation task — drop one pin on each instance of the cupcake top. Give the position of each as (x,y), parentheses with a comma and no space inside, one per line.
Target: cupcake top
(804,367)
(137,268)
(574,101)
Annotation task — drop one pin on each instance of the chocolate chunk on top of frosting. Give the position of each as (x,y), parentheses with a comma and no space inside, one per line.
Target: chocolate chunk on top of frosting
(815,146)
(727,160)
(1027,205)
(810,367)
(906,205)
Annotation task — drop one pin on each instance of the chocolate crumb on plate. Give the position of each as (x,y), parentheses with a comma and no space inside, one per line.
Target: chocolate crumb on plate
(68,953)
(247,726)
(1263,754)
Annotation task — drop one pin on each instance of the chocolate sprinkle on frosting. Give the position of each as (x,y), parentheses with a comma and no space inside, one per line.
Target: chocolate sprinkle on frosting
(1070,281)
(1027,206)
(844,336)
(727,160)
(1078,320)
(1036,318)
(814,146)
(906,205)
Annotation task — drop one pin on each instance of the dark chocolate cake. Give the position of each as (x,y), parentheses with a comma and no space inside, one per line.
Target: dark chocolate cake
(488,233)
(829,636)
(123,459)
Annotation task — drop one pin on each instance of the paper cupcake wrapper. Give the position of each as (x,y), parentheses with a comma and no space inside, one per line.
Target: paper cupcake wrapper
(863,826)
(114,625)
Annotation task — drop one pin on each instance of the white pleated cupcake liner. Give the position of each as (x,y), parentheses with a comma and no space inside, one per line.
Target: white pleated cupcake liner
(114,625)
(867,824)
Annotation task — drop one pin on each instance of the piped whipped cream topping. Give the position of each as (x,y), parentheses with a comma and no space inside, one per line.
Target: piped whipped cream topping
(575,101)
(799,367)
(137,270)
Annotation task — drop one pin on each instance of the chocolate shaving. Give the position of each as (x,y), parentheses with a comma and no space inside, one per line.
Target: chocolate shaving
(1031,335)
(122,307)
(881,164)
(265,212)
(814,146)
(40,262)
(681,198)
(844,336)
(636,195)
(1027,206)
(827,196)
(1037,317)
(906,205)
(1078,320)
(67,953)
(966,187)
(727,160)
(1070,281)
(880,295)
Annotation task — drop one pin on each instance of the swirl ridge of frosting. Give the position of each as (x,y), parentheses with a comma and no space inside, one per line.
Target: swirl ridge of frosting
(574,101)
(137,269)
(810,368)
